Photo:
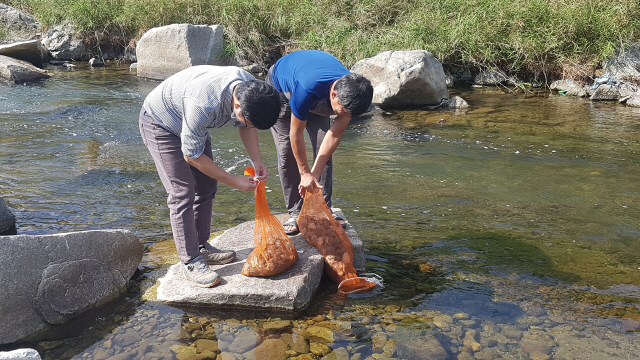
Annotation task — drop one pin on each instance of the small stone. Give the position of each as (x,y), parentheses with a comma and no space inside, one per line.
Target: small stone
(461,316)
(378,341)
(272,349)
(207,345)
(319,349)
(319,334)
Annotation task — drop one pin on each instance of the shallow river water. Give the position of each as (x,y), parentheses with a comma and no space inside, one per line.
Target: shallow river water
(510,230)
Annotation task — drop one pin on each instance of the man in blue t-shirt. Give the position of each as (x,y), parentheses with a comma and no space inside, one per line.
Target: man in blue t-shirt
(313,86)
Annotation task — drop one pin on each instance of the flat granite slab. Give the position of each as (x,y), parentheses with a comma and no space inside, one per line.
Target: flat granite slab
(291,290)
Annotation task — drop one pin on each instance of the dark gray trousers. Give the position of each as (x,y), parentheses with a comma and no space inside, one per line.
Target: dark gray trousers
(317,127)
(190,192)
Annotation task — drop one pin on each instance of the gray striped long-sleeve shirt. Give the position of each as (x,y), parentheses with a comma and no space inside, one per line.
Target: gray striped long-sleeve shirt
(194,100)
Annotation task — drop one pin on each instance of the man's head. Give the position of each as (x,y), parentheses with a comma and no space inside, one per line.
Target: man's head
(257,102)
(352,92)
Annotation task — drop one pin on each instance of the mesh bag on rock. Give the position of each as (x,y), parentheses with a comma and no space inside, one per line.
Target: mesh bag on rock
(321,230)
(273,252)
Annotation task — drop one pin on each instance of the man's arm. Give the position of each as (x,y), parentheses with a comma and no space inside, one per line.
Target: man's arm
(249,138)
(296,136)
(330,144)
(206,165)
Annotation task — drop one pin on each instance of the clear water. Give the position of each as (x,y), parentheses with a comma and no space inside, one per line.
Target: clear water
(519,203)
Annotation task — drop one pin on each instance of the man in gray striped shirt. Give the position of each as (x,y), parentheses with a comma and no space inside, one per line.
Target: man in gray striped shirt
(174,123)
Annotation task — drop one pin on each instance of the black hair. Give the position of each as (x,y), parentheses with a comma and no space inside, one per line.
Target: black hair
(259,103)
(354,93)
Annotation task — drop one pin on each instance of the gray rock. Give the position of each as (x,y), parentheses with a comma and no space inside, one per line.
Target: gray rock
(7,220)
(564,84)
(634,101)
(291,290)
(20,354)
(606,92)
(18,71)
(625,65)
(63,43)
(628,89)
(19,25)
(492,77)
(579,91)
(48,279)
(93,62)
(30,51)
(404,78)
(253,68)
(415,343)
(165,50)
(457,102)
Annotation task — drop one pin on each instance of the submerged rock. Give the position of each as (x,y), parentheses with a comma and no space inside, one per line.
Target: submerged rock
(165,50)
(49,279)
(413,343)
(404,78)
(18,71)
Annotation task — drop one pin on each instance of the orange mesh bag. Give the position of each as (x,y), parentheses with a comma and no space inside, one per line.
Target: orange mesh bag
(321,230)
(274,252)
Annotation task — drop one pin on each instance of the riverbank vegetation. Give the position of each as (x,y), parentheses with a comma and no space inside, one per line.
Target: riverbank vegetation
(523,37)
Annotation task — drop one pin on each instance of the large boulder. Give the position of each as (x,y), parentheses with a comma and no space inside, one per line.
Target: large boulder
(49,279)
(7,220)
(30,51)
(18,71)
(625,65)
(404,78)
(18,25)
(64,43)
(165,50)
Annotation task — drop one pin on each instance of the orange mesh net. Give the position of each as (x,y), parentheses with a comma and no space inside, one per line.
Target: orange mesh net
(321,230)
(273,252)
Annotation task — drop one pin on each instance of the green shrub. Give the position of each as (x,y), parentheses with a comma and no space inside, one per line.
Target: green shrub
(520,36)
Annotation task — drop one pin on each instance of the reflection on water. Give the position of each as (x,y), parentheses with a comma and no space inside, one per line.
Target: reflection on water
(506,231)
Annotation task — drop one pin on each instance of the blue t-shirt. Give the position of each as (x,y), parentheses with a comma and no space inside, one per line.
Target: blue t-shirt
(305,78)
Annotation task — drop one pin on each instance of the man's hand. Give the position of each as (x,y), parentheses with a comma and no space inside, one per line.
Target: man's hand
(261,171)
(307,183)
(244,183)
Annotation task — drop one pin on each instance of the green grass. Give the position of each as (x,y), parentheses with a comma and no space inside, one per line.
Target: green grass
(522,37)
